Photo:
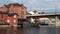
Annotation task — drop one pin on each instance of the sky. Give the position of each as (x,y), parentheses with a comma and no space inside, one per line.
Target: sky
(35,4)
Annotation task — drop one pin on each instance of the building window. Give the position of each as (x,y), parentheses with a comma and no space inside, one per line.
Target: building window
(2,16)
(14,16)
(14,21)
(22,14)
(8,21)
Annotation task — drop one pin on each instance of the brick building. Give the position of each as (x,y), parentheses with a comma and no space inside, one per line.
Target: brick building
(20,9)
(10,13)
(3,17)
(8,18)
(12,18)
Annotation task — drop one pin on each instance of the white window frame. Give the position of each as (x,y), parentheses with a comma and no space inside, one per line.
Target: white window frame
(14,16)
(14,21)
(8,21)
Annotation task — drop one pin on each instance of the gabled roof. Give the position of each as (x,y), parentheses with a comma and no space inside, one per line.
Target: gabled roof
(15,4)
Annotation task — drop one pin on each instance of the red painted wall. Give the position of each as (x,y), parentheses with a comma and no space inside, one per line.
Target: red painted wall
(15,9)
(11,19)
(4,9)
(20,10)
(3,17)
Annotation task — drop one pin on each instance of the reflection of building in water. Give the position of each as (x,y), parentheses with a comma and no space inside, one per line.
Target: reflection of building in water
(8,30)
(15,30)
(12,30)
(3,30)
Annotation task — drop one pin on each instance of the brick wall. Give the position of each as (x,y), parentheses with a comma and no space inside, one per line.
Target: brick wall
(12,20)
(20,10)
(3,18)
(4,9)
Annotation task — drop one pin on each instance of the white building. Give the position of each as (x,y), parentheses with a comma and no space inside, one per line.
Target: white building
(34,12)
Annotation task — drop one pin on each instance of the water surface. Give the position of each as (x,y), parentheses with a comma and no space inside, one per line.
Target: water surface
(30,30)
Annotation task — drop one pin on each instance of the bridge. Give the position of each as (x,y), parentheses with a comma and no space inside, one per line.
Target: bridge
(42,15)
(51,17)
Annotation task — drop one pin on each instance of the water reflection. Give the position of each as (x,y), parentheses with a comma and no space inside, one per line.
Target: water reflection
(57,30)
(31,30)
(12,30)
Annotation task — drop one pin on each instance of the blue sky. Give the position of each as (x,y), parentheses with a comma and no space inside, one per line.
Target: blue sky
(35,4)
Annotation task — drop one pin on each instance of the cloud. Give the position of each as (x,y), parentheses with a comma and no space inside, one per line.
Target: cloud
(52,0)
(41,8)
(35,4)
(18,1)
(14,1)
(31,2)
(2,2)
